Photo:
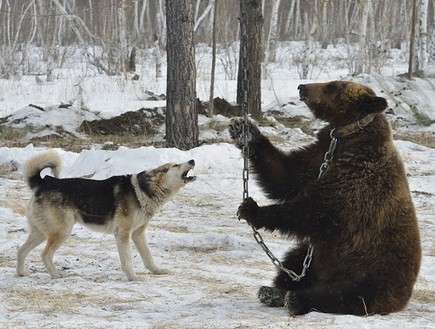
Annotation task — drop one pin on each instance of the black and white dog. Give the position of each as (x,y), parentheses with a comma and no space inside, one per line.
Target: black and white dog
(121,205)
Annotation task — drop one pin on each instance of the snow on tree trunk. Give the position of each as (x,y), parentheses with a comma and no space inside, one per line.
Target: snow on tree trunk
(181,113)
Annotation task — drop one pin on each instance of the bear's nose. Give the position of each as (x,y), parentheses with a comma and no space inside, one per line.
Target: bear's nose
(192,162)
(303,91)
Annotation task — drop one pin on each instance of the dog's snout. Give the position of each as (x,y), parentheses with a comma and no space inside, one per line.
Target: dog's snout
(192,162)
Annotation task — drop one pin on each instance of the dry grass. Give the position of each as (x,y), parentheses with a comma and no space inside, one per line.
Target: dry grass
(425,138)
(47,300)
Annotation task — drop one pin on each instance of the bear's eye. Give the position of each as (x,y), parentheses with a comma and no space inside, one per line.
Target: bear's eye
(331,88)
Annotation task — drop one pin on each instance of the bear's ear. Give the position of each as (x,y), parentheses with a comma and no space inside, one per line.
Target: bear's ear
(373,104)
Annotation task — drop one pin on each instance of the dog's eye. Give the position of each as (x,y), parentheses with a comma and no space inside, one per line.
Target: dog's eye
(175,165)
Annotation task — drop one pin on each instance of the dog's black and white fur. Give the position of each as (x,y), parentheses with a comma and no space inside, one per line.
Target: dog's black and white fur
(122,205)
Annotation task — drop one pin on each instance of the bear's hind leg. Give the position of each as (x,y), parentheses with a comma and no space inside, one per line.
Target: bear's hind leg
(343,297)
(293,260)
(274,296)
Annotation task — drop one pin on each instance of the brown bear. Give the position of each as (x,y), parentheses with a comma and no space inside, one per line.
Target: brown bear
(355,211)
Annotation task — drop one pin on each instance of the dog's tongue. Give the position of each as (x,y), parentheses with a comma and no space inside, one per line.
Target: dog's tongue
(188,179)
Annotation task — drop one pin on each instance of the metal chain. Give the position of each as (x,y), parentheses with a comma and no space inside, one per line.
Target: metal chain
(329,154)
(245,151)
(245,88)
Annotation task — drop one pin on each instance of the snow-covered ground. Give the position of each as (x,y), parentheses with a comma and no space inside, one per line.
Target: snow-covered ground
(214,262)
(215,266)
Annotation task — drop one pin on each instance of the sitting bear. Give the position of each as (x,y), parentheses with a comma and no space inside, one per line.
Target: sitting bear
(356,210)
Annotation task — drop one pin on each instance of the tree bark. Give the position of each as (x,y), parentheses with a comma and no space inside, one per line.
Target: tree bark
(423,35)
(412,48)
(213,60)
(251,22)
(272,36)
(361,64)
(181,113)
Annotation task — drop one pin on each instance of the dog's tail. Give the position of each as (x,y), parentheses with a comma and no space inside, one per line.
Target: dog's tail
(33,167)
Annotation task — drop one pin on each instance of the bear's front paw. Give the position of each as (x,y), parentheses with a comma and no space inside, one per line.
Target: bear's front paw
(271,296)
(238,132)
(248,211)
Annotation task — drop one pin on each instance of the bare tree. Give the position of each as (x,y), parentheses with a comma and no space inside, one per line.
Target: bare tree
(431,58)
(271,41)
(252,18)
(181,113)
(361,64)
(213,60)
(423,34)
(412,47)
(123,36)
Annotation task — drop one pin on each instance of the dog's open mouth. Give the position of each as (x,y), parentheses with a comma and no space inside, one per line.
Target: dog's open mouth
(187,178)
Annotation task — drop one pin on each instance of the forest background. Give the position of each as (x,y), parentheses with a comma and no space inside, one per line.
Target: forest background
(114,35)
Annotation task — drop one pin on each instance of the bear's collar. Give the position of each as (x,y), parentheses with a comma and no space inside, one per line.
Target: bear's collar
(352,128)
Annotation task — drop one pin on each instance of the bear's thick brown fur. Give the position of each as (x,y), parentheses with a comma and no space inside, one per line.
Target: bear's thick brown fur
(358,215)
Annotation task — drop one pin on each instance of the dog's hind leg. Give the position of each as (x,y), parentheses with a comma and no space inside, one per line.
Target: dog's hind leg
(54,241)
(141,243)
(34,239)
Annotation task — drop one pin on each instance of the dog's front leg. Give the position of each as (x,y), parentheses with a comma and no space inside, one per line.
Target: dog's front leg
(141,244)
(124,250)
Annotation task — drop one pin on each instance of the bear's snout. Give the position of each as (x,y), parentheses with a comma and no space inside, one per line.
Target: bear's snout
(303,91)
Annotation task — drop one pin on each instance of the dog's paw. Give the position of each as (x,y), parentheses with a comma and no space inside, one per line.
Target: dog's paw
(271,296)
(239,132)
(132,277)
(160,271)
(57,274)
(293,304)
(22,273)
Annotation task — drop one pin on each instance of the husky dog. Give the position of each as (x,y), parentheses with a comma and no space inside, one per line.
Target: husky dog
(122,205)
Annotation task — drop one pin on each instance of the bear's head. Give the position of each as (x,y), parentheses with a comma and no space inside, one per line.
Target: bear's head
(341,102)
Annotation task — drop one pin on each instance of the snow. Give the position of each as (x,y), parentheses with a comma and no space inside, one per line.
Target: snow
(215,266)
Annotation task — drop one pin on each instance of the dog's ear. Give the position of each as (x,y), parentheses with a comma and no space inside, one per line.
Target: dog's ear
(144,180)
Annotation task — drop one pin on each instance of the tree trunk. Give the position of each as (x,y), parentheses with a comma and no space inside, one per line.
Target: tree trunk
(122,23)
(412,62)
(362,52)
(273,32)
(423,34)
(431,59)
(213,60)
(181,113)
(251,22)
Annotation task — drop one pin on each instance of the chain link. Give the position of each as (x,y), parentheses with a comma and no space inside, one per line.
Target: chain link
(329,154)
(245,88)
(245,151)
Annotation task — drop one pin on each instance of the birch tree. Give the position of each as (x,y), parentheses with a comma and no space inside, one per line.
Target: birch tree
(123,37)
(271,40)
(423,34)
(213,60)
(431,55)
(362,49)
(412,66)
